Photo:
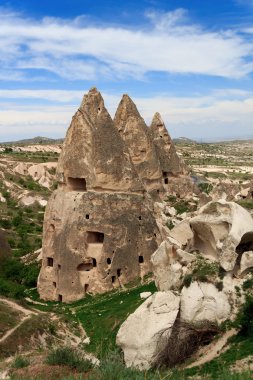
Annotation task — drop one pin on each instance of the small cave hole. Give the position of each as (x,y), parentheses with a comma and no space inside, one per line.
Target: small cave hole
(54,284)
(94,262)
(140,217)
(50,262)
(113,279)
(59,266)
(60,298)
(141,259)
(86,287)
(109,261)
(87,216)
(166,181)
(118,272)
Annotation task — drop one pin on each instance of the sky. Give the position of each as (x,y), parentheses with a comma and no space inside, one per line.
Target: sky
(190,60)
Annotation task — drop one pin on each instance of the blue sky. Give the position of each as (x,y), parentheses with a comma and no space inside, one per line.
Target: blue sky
(192,61)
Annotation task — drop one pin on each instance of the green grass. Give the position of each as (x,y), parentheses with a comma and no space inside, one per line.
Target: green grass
(20,362)
(246,203)
(70,357)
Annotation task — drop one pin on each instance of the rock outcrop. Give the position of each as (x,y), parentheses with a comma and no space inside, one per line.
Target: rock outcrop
(99,227)
(203,261)
(151,323)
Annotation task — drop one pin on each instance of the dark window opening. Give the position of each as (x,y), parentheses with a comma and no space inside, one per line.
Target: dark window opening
(140,217)
(94,262)
(154,235)
(59,266)
(166,181)
(113,279)
(141,259)
(109,261)
(95,237)
(87,216)
(165,174)
(118,272)
(59,297)
(158,191)
(98,108)
(50,262)
(77,184)
(161,137)
(54,284)
(86,287)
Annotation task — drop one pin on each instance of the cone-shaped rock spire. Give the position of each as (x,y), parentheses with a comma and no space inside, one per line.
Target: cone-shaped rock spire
(169,160)
(94,152)
(136,136)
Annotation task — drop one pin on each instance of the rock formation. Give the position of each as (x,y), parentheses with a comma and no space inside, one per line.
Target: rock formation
(99,228)
(202,261)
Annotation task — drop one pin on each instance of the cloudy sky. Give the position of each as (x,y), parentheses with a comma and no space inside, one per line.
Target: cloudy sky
(190,60)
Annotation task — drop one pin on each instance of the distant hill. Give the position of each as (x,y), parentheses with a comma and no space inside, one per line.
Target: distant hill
(184,140)
(34,141)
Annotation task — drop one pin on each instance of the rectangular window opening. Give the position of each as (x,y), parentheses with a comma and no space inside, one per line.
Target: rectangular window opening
(50,262)
(76,184)
(94,237)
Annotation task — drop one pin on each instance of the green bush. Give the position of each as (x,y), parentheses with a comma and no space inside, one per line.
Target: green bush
(69,357)
(187,280)
(205,187)
(20,362)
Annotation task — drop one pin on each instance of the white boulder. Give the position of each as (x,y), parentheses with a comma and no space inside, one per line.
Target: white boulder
(202,303)
(170,264)
(139,335)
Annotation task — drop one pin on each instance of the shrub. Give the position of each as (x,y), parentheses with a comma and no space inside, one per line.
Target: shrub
(245,318)
(187,280)
(69,357)
(20,362)
(205,187)
(219,285)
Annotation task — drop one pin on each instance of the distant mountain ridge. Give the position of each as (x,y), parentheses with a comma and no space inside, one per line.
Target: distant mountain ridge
(34,141)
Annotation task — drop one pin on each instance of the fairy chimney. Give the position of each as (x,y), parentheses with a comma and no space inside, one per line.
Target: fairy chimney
(99,227)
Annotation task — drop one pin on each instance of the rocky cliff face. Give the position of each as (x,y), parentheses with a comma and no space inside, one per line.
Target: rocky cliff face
(99,227)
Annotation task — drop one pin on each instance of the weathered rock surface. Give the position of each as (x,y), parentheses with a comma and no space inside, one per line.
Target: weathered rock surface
(222,230)
(202,303)
(152,322)
(136,135)
(170,265)
(171,164)
(246,261)
(99,227)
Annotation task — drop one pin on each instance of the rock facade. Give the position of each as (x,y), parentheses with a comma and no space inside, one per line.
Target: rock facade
(100,229)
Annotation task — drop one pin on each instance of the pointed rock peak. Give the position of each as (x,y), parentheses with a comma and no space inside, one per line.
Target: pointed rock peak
(158,128)
(92,104)
(126,108)
(157,119)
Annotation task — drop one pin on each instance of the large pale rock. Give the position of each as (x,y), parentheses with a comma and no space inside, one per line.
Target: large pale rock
(182,233)
(221,231)
(170,265)
(152,322)
(202,303)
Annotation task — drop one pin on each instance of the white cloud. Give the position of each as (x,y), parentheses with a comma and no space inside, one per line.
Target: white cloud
(197,117)
(76,50)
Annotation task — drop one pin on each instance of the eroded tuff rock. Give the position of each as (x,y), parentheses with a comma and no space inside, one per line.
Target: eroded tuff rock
(171,164)
(149,325)
(222,231)
(136,135)
(99,227)
(218,240)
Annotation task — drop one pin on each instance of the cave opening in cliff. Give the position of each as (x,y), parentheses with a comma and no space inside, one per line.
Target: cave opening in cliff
(50,262)
(76,184)
(94,237)
(141,259)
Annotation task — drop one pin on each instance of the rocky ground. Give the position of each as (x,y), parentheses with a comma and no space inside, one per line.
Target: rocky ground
(30,329)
